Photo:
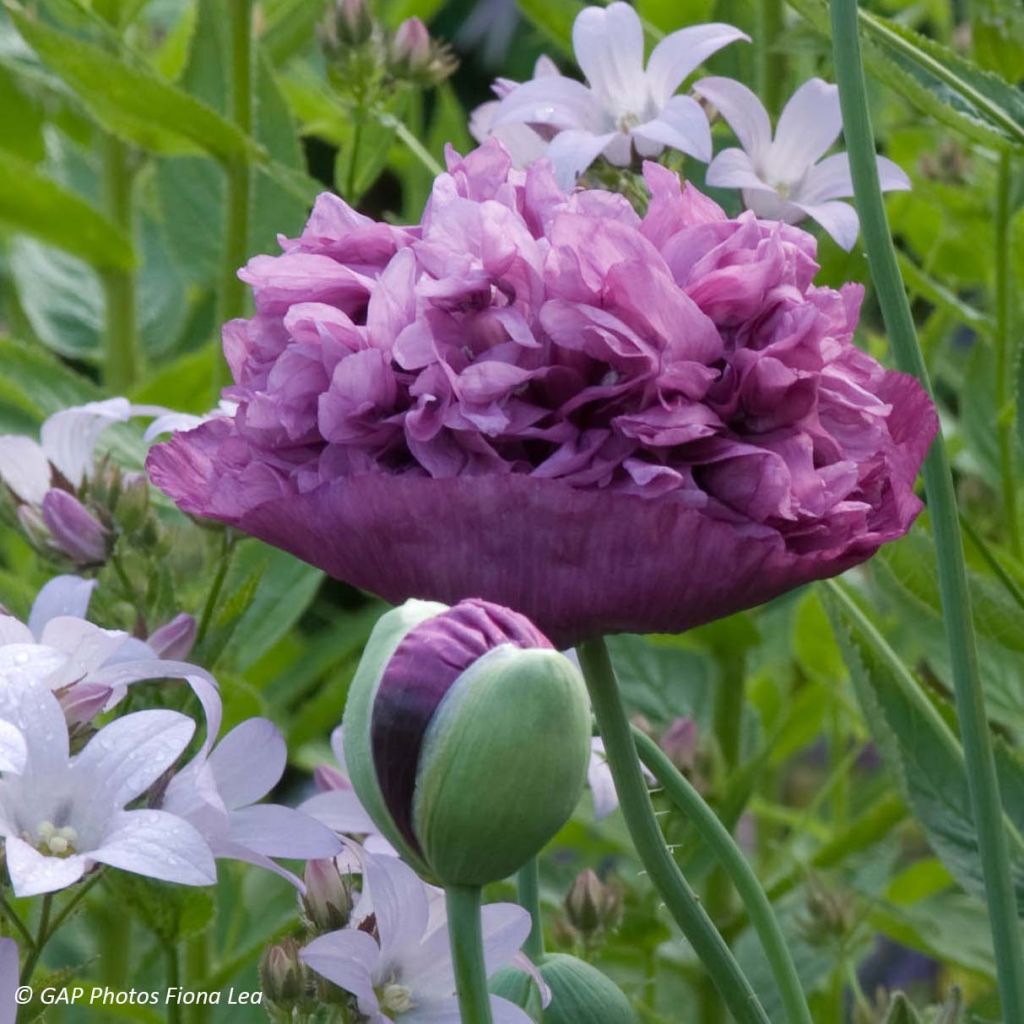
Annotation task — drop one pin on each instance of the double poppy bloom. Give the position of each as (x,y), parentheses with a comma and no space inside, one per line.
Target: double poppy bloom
(606,421)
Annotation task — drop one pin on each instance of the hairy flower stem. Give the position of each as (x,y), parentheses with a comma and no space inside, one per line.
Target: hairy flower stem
(120,342)
(739,871)
(956,599)
(528,895)
(1004,354)
(468,953)
(43,934)
(728,722)
(172,974)
(239,174)
(679,898)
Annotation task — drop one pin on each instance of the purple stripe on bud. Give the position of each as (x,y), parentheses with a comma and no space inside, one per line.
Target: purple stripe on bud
(421,671)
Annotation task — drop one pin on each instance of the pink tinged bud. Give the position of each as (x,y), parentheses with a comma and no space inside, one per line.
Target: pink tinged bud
(353,21)
(84,701)
(282,974)
(74,530)
(591,905)
(327,778)
(328,897)
(410,47)
(174,640)
(680,744)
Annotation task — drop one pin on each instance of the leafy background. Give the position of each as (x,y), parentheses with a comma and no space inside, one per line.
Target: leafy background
(841,769)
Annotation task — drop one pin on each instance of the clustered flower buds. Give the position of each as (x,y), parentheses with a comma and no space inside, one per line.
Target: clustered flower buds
(368,62)
(435,733)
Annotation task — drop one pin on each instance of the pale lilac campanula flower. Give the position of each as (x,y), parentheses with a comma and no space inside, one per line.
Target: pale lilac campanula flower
(785,178)
(609,422)
(625,104)
(524,144)
(63,814)
(90,667)
(398,963)
(8,981)
(218,792)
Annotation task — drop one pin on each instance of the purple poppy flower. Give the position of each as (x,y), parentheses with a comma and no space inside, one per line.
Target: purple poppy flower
(605,421)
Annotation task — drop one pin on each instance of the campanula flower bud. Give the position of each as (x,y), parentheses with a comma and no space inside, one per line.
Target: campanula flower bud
(410,45)
(580,992)
(327,901)
(283,974)
(680,744)
(353,22)
(174,639)
(591,905)
(132,505)
(74,530)
(467,737)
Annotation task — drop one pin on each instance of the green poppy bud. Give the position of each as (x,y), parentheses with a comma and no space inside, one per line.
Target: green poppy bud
(520,988)
(580,992)
(468,738)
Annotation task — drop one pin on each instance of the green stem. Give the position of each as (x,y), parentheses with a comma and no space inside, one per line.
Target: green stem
(120,352)
(42,936)
(10,915)
(731,858)
(528,886)
(635,802)
(239,174)
(226,550)
(998,569)
(956,601)
(172,973)
(468,953)
(771,61)
(401,129)
(1004,354)
(197,962)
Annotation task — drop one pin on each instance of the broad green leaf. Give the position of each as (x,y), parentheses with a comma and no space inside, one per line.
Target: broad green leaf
(909,565)
(938,82)
(43,384)
(290,27)
(131,100)
(285,590)
(37,206)
(918,744)
(23,119)
(192,189)
(62,297)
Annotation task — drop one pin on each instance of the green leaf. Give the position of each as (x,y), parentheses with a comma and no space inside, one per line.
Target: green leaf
(38,206)
(131,100)
(934,79)
(554,19)
(41,384)
(170,912)
(285,590)
(909,566)
(918,744)
(901,1011)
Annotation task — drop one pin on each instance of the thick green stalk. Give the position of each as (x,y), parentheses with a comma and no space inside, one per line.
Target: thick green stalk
(528,895)
(681,901)
(1004,355)
(238,171)
(120,341)
(468,954)
(956,601)
(731,858)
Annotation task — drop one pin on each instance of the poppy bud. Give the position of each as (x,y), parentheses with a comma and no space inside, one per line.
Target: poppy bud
(520,988)
(580,992)
(467,737)
(74,530)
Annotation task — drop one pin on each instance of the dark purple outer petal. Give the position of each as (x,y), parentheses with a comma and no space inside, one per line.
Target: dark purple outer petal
(421,671)
(576,562)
